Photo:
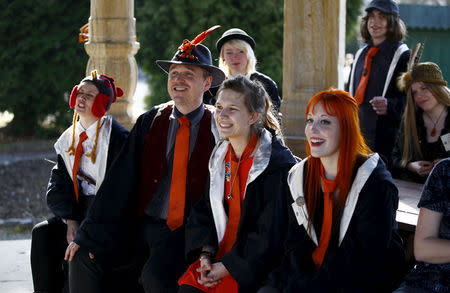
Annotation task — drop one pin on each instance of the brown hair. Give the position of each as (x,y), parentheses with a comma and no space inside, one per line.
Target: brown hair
(396,31)
(256,100)
(342,105)
(411,146)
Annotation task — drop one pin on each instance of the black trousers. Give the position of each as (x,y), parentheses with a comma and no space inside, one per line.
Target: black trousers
(166,261)
(88,275)
(163,266)
(48,245)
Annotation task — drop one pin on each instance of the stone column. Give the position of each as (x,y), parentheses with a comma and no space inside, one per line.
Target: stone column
(111,48)
(313,59)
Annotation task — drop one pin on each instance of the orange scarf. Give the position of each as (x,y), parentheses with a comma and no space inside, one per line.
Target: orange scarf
(327,221)
(236,174)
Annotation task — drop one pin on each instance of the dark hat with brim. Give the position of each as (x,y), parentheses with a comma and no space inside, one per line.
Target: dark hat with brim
(199,56)
(235,33)
(385,6)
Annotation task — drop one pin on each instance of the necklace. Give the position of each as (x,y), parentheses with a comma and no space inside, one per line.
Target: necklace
(433,130)
(228,175)
(246,154)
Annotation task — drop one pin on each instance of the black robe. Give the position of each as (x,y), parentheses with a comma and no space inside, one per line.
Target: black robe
(60,193)
(370,257)
(262,226)
(111,226)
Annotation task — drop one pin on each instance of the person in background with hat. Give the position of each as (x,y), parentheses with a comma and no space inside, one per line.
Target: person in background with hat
(236,231)
(432,237)
(160,173)
(342,231)
(374,74)
(424,136)
(85,152)
(235,48)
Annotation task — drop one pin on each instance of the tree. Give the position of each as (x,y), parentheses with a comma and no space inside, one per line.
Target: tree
(40,60)
(353,10)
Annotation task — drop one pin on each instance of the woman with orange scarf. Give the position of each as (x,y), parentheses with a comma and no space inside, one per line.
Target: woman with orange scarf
(237,230)
(341,235)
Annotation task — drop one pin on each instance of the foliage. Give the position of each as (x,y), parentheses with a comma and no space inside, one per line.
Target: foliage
(40,60)
(162,25)
(353,10)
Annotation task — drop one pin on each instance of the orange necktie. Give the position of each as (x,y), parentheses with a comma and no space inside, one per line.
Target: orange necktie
(76,164)
(325,235)
(360,92)
(177,198)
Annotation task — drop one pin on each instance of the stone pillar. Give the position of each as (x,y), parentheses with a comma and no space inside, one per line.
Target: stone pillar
(111,48)
(313,59)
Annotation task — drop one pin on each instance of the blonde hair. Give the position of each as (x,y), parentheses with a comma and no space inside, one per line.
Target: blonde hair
(411,146)
(241,45)
(71,149)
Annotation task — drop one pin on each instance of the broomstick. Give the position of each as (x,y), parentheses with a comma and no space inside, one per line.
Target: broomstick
(415,56)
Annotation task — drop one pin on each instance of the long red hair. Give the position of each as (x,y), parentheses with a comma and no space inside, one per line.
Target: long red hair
(344,107)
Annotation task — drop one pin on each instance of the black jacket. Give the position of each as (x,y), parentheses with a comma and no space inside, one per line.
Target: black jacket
(111,226)
(60,193)
(386,126)
(262,225)
(366,257)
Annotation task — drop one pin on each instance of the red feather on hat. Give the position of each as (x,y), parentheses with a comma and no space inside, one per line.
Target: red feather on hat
(185,49)
(198,39)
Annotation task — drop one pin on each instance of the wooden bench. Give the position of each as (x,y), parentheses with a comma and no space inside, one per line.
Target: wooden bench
(409,196)
(407,215)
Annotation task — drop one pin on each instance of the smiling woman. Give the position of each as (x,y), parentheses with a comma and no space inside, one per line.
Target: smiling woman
(241,220)
(341,233)
(323,133)
(85,152)
(235,48)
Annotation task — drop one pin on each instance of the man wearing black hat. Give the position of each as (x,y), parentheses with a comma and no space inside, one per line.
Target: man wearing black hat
(159,174)
(374,74)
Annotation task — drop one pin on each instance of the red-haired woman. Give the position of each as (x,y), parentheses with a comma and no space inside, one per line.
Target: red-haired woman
(341,235)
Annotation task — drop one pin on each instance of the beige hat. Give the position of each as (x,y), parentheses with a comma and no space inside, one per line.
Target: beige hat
(425,72)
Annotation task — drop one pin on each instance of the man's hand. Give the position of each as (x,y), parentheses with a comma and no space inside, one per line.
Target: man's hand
(379,105)
(72,228)
(72,250)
